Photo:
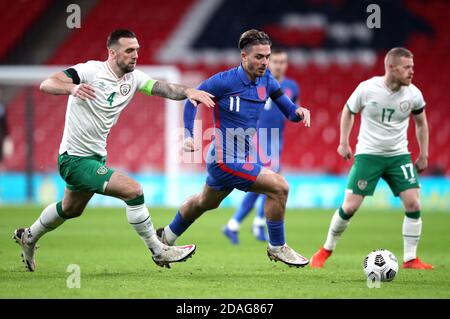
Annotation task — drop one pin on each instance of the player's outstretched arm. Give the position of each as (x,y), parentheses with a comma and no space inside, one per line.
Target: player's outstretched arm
(60,84)
(181,92)
(290,110)
(347,120)
(422,136)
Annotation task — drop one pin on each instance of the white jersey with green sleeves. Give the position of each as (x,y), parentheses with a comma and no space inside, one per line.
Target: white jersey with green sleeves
(88,123)
(384,116)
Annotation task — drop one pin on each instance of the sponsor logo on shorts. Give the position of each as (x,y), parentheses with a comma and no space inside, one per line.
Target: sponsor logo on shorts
(125,89)
(102,170)
(405,106)
(362,184)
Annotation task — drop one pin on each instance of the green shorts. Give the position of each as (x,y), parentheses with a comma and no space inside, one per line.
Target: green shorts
(88,174)
(398,171)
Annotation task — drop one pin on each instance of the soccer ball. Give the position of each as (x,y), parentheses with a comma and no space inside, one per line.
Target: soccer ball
(380,265)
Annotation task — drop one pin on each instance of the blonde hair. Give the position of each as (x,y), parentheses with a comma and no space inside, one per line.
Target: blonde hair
(396,53)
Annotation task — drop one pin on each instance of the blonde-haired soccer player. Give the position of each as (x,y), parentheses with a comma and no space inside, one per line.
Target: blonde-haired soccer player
(385,103)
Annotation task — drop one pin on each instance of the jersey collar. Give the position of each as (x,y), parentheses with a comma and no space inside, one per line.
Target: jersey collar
(112,72)
(244,77)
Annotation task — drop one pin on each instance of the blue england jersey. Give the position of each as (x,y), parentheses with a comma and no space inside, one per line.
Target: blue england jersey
(239,102)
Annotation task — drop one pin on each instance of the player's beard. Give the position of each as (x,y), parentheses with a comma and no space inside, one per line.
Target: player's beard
(126,68)
(406,81)
(258,71)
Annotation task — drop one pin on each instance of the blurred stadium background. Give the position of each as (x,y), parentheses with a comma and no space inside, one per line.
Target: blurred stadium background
(331,51)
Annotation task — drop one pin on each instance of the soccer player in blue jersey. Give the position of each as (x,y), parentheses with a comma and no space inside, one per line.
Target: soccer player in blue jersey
(271,123)
(240,95)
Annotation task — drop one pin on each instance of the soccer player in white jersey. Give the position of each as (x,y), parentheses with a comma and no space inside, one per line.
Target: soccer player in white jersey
(385,103)
(98,92)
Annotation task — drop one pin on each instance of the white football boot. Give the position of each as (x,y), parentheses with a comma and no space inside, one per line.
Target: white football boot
(288,256)
(173,254)
(28,250)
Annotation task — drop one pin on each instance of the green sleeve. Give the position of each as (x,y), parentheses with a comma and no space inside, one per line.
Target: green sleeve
(147,88)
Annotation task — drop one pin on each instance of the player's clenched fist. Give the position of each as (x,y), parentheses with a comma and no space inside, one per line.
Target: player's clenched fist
(83,91)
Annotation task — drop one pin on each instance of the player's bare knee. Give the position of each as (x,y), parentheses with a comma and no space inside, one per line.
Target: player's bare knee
(134,191)
(351,204)
(412,206)
(350,208)
(281,189)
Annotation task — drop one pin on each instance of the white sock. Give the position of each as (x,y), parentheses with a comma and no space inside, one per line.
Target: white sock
(48,221)
(258,221)
(171,237)
(412,228)
(275,248)
(337,227)
(233,225)
(139,218)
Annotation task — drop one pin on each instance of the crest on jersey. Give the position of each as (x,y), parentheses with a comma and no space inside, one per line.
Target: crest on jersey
(262,94)
(125,89)
(405,106)
(362,184)
(102,170)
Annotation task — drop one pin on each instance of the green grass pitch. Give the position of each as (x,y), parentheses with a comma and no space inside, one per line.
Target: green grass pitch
(114,262)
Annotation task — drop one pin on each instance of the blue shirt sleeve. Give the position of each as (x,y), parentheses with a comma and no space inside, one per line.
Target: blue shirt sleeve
(190,111)
(287,107)
(284,103)
(213,85)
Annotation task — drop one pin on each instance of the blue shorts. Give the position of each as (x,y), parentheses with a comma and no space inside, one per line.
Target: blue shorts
(228,176)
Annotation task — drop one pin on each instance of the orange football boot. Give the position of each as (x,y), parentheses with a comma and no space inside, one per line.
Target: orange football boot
(320,257)
(416,263)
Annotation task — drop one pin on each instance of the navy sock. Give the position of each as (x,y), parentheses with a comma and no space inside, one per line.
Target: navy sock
(179,224)
(276,232)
